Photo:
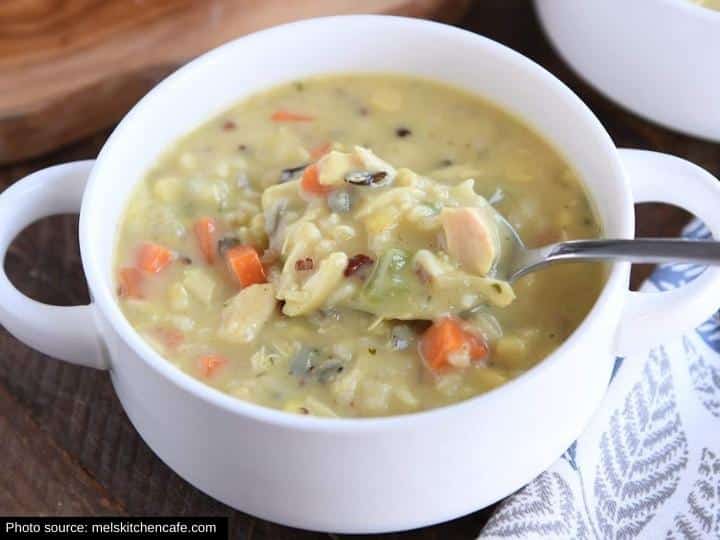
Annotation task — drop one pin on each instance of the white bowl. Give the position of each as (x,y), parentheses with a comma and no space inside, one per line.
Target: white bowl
(658,58)
(354,475)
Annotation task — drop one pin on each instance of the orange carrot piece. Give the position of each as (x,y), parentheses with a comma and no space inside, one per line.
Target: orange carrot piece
(153,257)
(320,150)
(245,265)
(310,182)
(210,364)
(130,283)
(439,341)
(205,229)
(446,337)
(287,116)
(170,337)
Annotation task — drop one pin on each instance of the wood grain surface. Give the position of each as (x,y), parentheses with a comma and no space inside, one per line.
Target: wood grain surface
(72,67)
(67,446)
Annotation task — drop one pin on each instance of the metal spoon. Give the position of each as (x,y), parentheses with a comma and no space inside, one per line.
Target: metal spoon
(519,260)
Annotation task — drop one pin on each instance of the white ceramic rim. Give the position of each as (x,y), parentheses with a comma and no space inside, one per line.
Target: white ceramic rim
(104,298)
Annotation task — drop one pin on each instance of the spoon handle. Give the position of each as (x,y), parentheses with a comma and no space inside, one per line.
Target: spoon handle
(640,250)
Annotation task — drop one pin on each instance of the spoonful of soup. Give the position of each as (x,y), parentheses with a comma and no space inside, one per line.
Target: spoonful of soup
(382,240)
(355,232)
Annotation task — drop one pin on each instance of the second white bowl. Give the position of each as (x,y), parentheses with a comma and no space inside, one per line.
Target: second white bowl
(658,58)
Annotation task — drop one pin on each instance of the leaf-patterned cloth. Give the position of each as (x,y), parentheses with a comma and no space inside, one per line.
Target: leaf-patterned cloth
(648,465)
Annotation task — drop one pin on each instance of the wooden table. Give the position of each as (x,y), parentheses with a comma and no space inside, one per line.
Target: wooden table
(67,446)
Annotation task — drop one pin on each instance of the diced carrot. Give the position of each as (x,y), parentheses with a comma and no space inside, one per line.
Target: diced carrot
(320,150)
(210,363)
(205,229)
(446,337)
(130,280)
(153,257)
(439,341)
(310,182)
(287,116)
(170,337)
(245,265)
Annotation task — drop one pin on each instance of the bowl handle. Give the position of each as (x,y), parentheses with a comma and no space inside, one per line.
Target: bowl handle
(651,318)
(68,333)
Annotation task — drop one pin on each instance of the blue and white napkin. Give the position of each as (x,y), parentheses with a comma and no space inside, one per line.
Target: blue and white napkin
(648,465)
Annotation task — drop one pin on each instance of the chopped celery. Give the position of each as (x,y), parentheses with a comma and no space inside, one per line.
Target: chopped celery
(390,276)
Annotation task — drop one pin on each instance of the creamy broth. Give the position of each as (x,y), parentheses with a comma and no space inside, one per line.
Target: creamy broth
(329,247)
(710,4)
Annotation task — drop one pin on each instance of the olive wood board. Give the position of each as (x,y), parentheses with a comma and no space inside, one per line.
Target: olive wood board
(69,68)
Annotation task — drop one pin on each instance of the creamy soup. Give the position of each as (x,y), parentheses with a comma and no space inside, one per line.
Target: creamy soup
(711,4)
(332,247)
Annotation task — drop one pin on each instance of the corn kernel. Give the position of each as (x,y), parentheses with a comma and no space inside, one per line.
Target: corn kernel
(188,161)
(179,298)
(489,378)
(510,351)
(381,220)
(222,169)
(167,189)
